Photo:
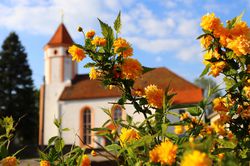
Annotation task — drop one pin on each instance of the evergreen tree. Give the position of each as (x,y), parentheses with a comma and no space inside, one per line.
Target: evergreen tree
(17,94)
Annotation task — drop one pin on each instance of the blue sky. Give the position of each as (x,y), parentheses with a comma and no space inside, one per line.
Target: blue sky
(162,32)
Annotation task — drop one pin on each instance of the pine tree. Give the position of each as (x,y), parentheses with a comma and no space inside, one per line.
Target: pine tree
(17,94)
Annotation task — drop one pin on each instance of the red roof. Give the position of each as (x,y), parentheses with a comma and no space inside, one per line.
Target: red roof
(61,37)
(187,92)
(84,88)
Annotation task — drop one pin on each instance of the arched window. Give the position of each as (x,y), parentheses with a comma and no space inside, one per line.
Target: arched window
(85,125)
(117,112)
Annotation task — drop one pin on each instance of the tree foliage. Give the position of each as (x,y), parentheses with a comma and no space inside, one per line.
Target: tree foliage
(17,94)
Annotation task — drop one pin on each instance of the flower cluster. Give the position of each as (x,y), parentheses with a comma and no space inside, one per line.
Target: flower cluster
(77,53)
(44,163)
(227,52)
(127,136)
(165,153)
(154,95)
(9,161)
(196,158)
(219,39)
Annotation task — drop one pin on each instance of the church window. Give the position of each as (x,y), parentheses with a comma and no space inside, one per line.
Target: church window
(117,112)
(55,52)
(87,126)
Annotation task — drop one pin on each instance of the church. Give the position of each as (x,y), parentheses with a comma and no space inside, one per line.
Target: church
(79,101)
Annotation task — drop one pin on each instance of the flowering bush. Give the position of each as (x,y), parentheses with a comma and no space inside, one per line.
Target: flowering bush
(224,142)
(7,128)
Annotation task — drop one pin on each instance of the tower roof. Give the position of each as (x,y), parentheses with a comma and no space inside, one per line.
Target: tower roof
(60,38)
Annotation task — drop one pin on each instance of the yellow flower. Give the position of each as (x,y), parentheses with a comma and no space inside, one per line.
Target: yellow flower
(127,136)
(206,41)
(248,70)
(178,129)
(77,53)
(122,47)
(9,161)
(90,34)
(85,160)
(247,91)
(98,41)
(219,128)
(154,96)
(209,55)
(219,104)
(165,153)
(245,114)
(44,163)
(240,45)
(240,28)
(92,73)
(184,116)
(131,69)
(93,153)
(196,158)
(210,22)
(221,155)
(217,67)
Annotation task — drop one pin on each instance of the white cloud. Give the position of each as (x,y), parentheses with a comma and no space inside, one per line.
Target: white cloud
(190,53)
(156,45)
(144,28)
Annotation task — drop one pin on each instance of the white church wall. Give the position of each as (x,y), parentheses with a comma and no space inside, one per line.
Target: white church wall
(52,93)
(70,112)
(67,68)
(55,69)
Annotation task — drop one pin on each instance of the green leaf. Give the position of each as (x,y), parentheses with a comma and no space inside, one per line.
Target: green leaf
(88,65)
(117,23)
(122,100)
(43,156)
(3,151)
(206,70)
(65,129)
(100,129)
(172,136)
(57,122)
(206,31)
(20,150)
(194,111)
(59,144)
(107,31)
(129,119)
(235,20)
(226,144)
(52,139)
(228,82)
(113,148)
(178,106)
(164,128)
(143,101)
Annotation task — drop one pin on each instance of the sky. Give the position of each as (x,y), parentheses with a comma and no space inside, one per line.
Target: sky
(162,32)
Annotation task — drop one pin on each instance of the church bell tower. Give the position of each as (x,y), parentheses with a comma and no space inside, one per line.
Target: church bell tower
(59,70)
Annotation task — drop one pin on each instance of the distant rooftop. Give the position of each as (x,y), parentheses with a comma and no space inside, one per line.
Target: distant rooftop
(84,88)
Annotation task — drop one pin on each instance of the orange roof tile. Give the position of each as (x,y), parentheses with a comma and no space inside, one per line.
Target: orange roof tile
(60,37)
(187,92)
(84,88)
